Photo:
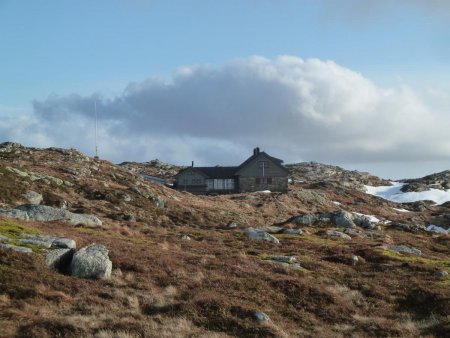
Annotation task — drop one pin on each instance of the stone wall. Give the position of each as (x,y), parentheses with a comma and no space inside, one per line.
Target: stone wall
(248,184)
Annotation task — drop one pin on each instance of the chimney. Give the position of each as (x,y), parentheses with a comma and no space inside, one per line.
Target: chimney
(192,165)
(256,151)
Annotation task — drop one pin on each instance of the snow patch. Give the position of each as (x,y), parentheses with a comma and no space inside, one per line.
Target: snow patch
(372,218)
(337,203)
(394,194)
(401,210)
(435,228)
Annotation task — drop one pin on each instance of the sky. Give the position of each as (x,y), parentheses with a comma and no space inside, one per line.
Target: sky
(359,84)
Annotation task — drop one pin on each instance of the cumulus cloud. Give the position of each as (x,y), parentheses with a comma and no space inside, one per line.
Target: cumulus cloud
(295,109)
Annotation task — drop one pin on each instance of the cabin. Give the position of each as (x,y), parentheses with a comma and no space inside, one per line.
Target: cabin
(259,172)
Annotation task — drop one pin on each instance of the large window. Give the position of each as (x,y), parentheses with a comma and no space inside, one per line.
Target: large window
(220,184)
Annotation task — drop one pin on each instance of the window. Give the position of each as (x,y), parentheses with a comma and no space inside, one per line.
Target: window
(263,164)
(263,180)
(220,184)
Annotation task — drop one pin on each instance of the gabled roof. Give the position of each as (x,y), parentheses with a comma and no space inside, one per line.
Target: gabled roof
(231,172)
(275,160)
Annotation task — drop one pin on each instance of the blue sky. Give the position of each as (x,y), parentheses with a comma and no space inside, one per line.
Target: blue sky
(60,48)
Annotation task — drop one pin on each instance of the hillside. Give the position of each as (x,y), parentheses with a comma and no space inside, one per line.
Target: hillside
(348,264)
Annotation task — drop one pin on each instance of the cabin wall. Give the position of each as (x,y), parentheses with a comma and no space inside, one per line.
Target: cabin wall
(249,184)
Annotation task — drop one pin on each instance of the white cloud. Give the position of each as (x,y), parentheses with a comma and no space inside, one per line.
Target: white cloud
(296,109)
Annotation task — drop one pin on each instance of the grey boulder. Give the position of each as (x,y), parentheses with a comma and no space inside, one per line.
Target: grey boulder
(344,219)
(59,258)
(91,262)
(45,213)
(260,235)
(33,197)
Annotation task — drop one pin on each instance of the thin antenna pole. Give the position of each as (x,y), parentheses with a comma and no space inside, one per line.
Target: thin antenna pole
(95,110)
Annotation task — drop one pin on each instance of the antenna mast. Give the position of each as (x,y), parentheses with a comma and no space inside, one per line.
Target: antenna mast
(96,148)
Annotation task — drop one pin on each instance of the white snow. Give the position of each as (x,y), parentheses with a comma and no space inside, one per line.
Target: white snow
(337,203)
(393,193)
(401,210)
(435,228)
(264,191)
(372,218)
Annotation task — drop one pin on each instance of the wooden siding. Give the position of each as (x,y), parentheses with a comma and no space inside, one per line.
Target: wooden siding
(253,169)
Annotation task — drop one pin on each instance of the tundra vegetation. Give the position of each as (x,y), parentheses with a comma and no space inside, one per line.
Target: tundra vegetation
(185,265)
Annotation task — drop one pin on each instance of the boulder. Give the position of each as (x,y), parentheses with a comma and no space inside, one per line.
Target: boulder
(14,213)
(260,235)
(91,262)
(405,249)
(59,258)
(344,219)
(33,197)
(45,213)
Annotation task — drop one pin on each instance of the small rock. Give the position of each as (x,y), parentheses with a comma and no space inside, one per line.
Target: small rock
(160,203)
(271,229)
(441,273)
(405,249)
(65,243)
(261,316)
(33,197)
(337,234)
(232,225)
(16,248)
(91,262)
(354,259)
(284,259)
(185,238)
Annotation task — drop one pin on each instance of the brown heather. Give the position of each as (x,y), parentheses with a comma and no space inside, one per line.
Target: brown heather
(210,286)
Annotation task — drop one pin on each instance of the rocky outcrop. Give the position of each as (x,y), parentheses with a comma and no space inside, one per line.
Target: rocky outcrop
(313,172)
(439,181)
(91,262)
(45,213)
(342,218)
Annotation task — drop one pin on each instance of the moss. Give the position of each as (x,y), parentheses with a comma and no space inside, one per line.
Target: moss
(415,259)
(27,245)
(13,230)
